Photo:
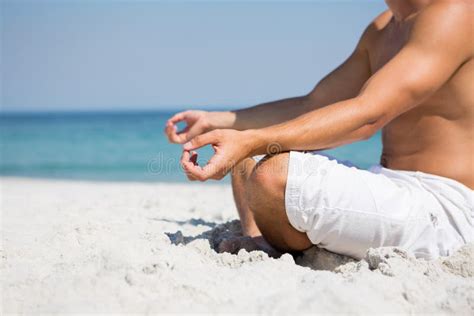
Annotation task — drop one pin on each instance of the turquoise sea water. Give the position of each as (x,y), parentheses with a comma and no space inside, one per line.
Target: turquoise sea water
(127,146)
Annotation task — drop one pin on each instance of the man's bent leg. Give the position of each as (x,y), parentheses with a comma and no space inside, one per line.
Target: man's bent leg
(252,238)
(266,199)
(240,175)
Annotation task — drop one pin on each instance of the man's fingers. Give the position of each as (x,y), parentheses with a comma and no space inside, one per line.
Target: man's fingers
(178,117)
(188,164)
(191,167)
(200,141)
(217,167)
(193,158)
(184,130)
(189,133)
(170,131)
(174,136)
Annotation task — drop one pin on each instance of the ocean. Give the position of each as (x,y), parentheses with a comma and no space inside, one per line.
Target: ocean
(111,146)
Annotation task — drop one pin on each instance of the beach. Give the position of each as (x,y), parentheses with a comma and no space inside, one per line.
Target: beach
(125,247)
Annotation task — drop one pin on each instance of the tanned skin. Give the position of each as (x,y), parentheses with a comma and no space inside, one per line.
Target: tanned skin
(411,75)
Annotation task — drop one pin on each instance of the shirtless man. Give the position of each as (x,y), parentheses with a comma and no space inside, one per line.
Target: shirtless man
(411,75)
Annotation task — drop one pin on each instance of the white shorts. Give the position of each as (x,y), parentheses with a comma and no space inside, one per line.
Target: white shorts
(348,210)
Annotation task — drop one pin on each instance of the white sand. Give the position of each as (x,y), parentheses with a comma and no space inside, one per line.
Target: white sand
(103,247)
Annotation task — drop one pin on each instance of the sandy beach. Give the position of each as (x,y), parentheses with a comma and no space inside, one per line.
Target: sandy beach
(92,247)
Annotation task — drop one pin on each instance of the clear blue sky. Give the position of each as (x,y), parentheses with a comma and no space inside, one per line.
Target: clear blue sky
(105,54)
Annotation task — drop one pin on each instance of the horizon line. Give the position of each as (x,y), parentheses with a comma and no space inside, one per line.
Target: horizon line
(112,110)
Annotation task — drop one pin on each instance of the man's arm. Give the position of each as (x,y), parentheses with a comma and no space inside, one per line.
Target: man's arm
(343,83)
(438,45)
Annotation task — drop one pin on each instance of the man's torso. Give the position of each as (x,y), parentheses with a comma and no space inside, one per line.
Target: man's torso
(437,136)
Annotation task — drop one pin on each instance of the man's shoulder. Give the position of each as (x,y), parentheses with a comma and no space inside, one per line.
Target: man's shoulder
(374,28)
(446,22)
(381,21)
(451,17)
(448,13)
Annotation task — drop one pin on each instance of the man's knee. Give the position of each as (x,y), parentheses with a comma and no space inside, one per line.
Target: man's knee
(242,171)
(269,175)
(267,182)
(266,198)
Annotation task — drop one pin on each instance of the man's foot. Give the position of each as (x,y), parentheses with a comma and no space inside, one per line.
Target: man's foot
(234,244)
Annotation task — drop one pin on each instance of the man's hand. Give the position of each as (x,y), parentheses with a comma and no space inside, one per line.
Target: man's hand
(197,123)
(230,147)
